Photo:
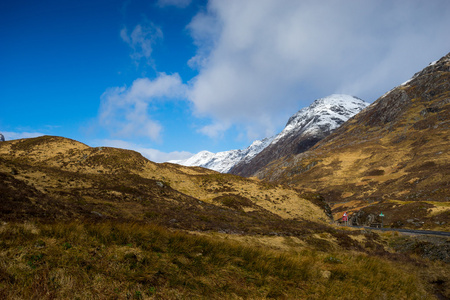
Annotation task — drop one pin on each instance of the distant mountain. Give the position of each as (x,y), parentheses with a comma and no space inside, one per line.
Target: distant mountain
(304,129)
(224,161)
(393,157)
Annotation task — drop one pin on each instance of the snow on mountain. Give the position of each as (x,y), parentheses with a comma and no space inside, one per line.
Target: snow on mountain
(198,159)
(317,120)
(303,130)
(323,115)
(224,161)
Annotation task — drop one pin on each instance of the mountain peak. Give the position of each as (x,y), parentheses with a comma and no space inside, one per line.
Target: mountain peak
(303,130)
(323,115)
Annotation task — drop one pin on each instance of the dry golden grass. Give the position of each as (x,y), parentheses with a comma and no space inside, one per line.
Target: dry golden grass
(76,158)
(130,261)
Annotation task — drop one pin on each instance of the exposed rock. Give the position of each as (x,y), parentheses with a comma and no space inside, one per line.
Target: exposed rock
(361,218)
(97,213)
(431,247)
(325,274)
(160,184)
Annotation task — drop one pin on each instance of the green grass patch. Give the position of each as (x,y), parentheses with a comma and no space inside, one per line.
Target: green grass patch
(438,204)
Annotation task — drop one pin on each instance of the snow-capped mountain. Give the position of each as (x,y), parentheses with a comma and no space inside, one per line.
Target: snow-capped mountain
(411,124)
(224,161)
(304,129)
(323,115)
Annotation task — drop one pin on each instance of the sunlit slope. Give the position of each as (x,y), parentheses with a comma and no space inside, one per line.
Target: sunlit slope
(62,178)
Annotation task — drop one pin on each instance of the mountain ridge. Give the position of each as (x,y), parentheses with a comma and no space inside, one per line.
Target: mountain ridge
(313,122)
(223,161)
(304,129)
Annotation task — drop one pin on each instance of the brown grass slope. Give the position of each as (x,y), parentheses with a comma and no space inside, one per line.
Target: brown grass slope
(395,152)
(54,178)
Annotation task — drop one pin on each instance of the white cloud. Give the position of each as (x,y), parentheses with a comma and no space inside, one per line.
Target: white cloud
(125,111)
(151,154)
(214,130)
(176,3)
(205,29)
(141,40)
(260,60)
(9,135)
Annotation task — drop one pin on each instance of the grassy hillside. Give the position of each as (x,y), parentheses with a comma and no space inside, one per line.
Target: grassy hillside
(116,183)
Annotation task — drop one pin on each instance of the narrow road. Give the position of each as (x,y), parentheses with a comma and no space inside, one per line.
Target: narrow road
(430,232)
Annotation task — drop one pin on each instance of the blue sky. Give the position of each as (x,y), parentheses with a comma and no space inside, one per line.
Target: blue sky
(170,78)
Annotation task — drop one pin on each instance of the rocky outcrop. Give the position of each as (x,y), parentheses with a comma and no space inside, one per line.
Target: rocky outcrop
(361,218)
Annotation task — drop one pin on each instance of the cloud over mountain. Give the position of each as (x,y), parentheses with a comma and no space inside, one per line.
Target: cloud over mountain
(258,59)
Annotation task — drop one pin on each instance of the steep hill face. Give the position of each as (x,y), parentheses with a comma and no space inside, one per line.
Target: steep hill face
(224,161)
(54,178)
(303,130)
(394,152)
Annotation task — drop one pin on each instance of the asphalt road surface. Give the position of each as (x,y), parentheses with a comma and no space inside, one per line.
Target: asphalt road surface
(412,231)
